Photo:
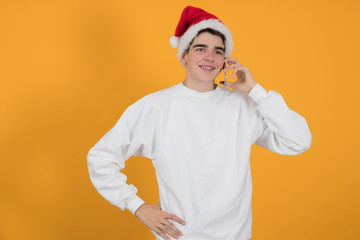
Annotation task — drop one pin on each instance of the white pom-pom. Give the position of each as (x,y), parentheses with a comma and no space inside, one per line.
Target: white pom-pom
(174,41)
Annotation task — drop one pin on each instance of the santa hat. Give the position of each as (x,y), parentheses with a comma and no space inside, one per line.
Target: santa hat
(193,20)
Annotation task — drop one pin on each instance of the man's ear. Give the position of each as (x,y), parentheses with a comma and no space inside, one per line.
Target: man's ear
(184,58)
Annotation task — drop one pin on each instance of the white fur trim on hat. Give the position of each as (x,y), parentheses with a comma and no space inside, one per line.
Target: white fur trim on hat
(174,41)
(194,29)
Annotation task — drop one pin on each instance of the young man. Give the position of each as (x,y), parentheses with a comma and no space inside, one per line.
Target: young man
(198,136)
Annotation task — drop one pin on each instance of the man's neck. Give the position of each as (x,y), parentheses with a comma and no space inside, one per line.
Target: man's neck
(200,87)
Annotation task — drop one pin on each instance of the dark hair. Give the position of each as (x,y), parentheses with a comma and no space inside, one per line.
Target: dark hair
(211,31)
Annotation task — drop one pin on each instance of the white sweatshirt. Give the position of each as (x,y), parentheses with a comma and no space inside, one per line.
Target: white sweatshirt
(199,144)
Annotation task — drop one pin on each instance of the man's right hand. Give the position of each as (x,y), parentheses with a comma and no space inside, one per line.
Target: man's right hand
(155,219)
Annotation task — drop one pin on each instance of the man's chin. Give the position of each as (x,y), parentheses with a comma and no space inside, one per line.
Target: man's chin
(212,76)
(208,81)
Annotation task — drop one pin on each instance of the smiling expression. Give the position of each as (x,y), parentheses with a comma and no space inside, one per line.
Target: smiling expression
(205,58)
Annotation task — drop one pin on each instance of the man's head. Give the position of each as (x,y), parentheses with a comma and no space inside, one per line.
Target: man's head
(204,58)
(211,31)
(193,22)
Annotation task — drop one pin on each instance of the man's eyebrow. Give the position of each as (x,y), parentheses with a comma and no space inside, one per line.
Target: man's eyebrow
(199,45)
(220,48)
(203,45)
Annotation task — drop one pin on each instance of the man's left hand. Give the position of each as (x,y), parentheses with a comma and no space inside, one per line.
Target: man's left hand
(245,81)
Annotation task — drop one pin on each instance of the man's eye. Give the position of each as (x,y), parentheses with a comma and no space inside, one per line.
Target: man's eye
(219,52)
(200,49)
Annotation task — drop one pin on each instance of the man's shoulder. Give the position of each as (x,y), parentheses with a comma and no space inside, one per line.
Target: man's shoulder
(155,100)
(160,95)
(166,92)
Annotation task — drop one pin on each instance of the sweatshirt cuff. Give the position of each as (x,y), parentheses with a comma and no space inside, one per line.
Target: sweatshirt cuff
(257,92)
(134,203)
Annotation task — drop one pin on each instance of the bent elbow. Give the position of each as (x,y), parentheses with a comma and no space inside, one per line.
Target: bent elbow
(308,142)
(305,145)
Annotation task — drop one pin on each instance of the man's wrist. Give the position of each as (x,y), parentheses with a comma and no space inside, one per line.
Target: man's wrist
(134,203)
(257,92)
(252,87)
(136,211)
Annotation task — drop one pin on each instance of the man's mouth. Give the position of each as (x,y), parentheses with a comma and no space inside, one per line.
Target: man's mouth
(207,67)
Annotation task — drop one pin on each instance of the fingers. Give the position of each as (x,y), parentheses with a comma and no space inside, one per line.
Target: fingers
(168,225)
(241,75)
(236,68)
(170,229)
(233,63)
(174,217)
(167,228)
(155,219)
(165,232)
(173,228)
(160,232)
(230,61)
(231,66)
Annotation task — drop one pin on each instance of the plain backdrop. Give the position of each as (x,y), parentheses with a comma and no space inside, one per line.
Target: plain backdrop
(69,69)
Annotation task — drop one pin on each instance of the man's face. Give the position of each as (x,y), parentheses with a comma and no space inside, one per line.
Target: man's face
(205,58)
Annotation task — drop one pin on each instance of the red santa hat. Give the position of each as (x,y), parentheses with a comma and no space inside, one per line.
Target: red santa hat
(193,20)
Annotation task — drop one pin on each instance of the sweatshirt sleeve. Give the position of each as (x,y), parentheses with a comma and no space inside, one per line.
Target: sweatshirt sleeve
(280,129)
(107,158)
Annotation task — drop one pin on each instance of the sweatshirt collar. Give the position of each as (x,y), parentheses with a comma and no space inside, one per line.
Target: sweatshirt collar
(195,93)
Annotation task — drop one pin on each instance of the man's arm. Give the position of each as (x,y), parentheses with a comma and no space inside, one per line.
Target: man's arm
(132,135)
(107,158)
(280,129)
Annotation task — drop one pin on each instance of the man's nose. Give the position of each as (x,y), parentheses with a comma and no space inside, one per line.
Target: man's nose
(210,56)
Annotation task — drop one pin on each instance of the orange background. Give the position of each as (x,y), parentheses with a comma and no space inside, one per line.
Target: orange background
(69,69)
